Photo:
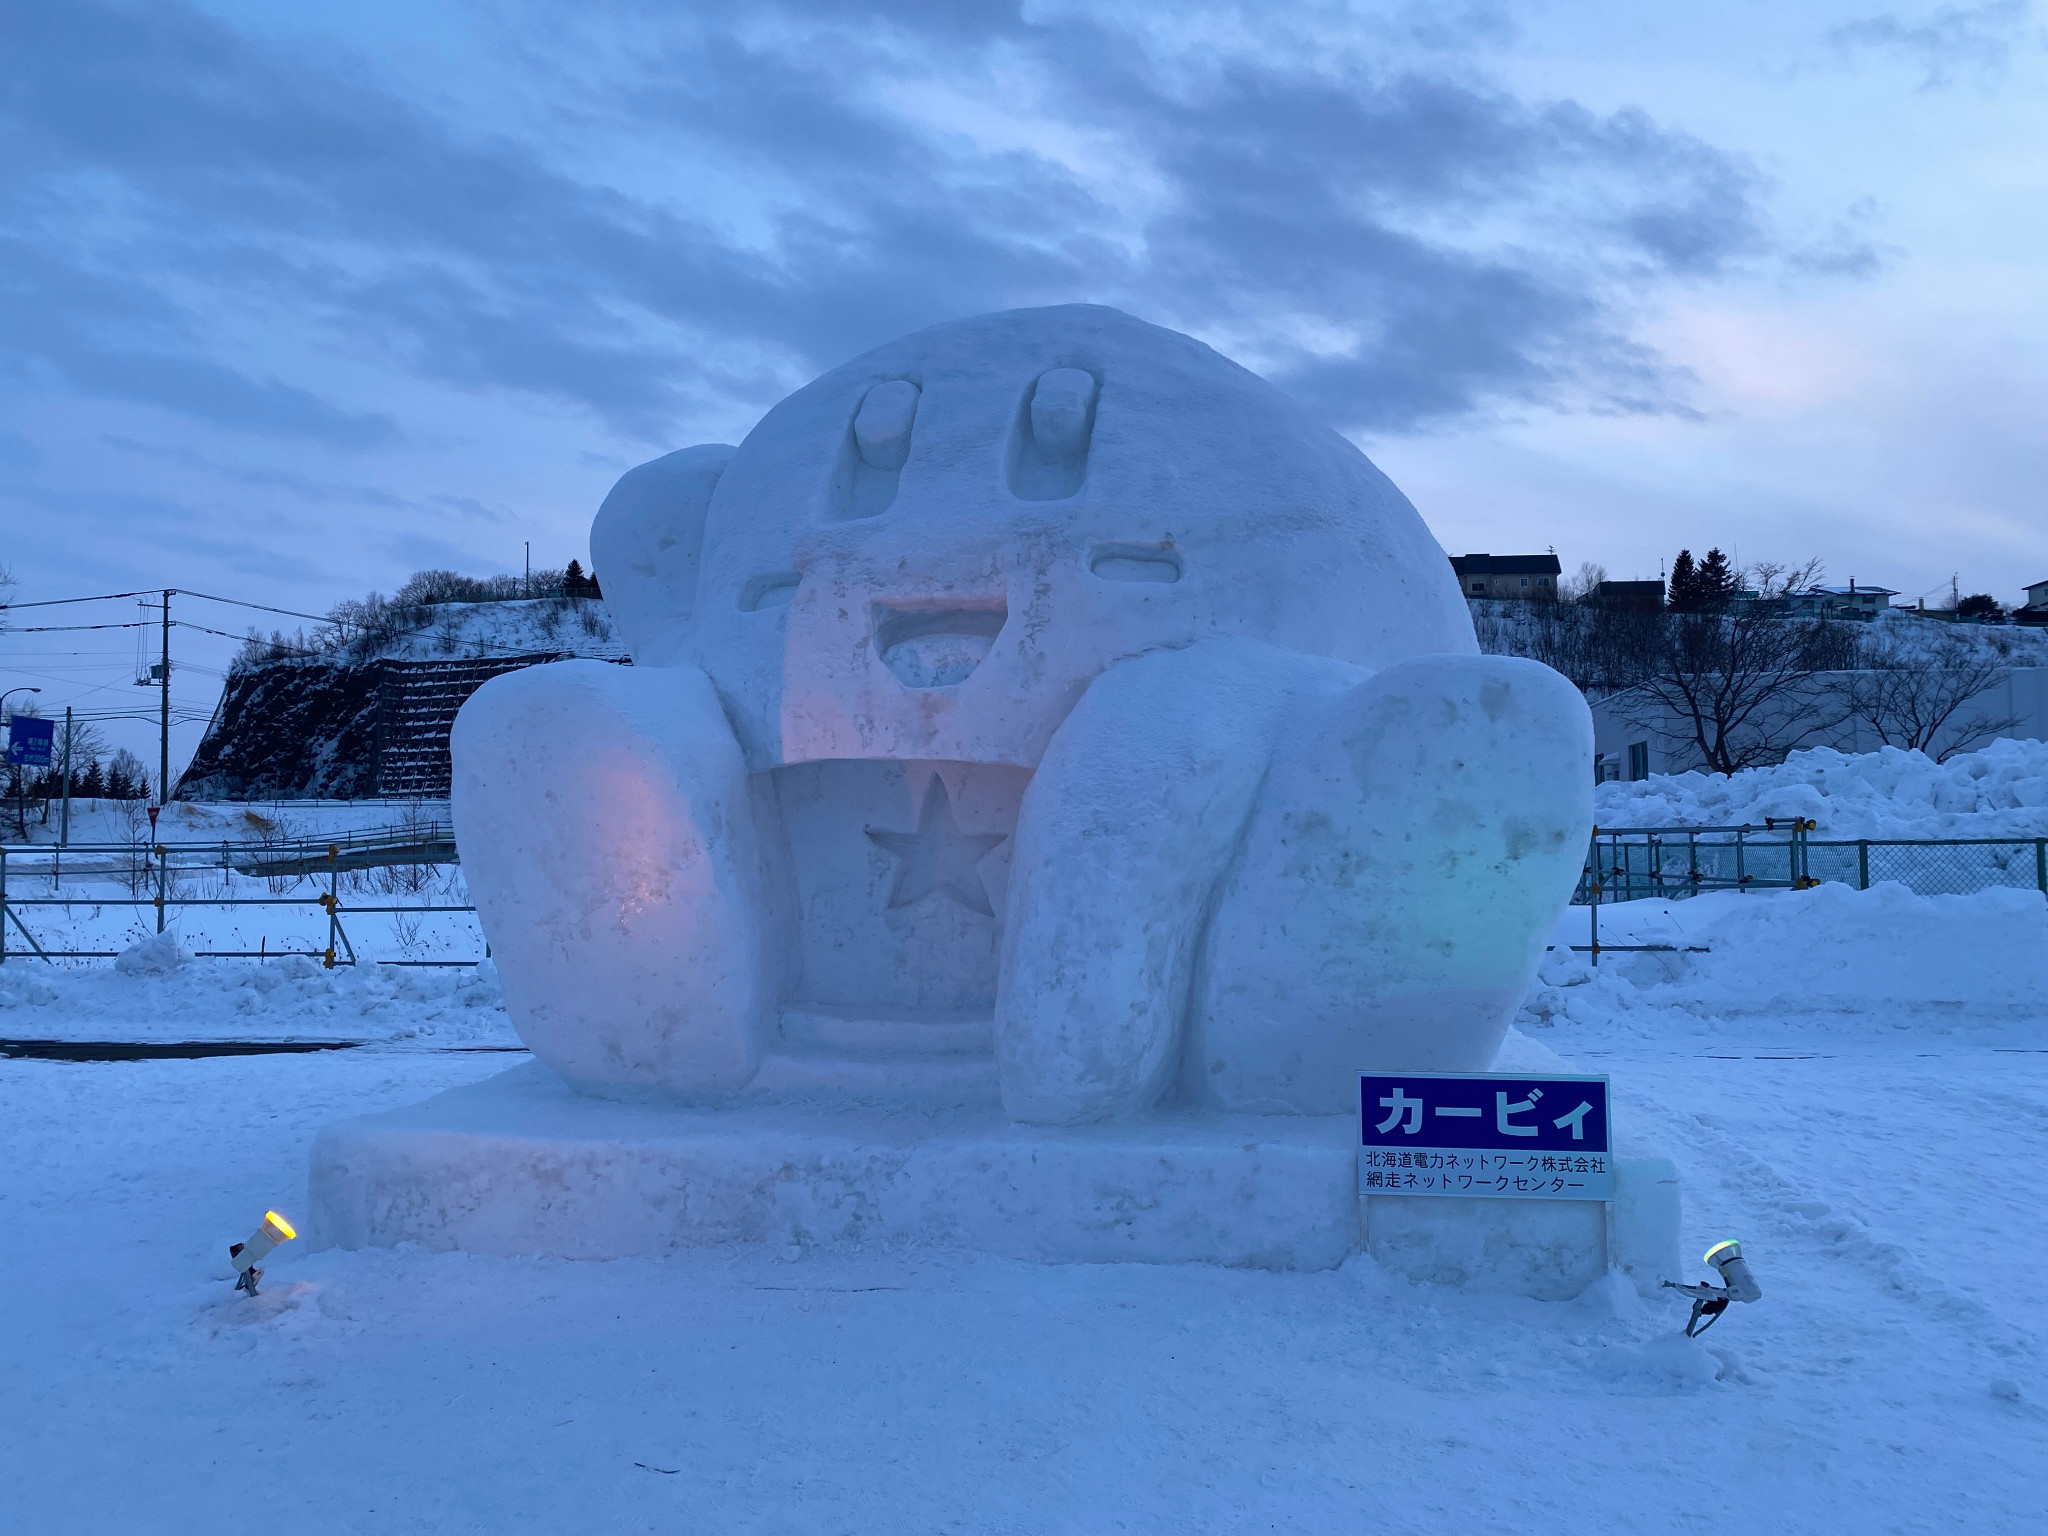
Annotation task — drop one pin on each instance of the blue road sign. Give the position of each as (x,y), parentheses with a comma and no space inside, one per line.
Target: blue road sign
(1496,1134)
(28,741)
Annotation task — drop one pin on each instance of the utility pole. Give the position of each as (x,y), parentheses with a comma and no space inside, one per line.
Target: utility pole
(526,590)
(163,759)
(64,826)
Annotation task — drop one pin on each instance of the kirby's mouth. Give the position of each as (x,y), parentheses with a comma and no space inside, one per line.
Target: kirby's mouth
(929,647)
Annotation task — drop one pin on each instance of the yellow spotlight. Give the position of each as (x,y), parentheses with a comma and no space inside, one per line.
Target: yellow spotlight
(246,1256)
(1725,1258)
(1710,1301)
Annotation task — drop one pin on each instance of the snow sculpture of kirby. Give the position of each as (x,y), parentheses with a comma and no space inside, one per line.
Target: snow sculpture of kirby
(1040,706)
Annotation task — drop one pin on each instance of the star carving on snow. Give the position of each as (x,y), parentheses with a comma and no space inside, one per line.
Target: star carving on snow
(938,856)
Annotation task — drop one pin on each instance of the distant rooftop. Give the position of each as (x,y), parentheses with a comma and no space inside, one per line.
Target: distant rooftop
(1505,565)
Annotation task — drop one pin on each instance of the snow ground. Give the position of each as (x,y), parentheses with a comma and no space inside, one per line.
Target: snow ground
(102,916)
(147,1000)
(1880,1165)
(108,896)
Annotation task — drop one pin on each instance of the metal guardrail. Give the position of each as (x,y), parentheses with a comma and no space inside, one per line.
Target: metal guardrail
(145,865)
(1622,864)
(1629,863)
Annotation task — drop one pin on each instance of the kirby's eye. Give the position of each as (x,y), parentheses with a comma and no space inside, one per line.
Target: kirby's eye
(882,429)
(1055,429)
(877,446)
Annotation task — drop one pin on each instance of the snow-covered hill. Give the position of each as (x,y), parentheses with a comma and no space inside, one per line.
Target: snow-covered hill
(552,625)
(364,711)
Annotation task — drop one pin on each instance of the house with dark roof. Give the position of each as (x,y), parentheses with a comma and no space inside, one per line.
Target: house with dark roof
(1521,578)
(1628,596)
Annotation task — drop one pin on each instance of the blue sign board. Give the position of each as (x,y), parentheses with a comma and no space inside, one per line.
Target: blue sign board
(28,741)
(1503,1135)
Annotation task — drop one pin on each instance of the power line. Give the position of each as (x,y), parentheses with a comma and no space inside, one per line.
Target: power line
(190,717)
(68,653)
(236,602)
(59,602)
(268,646)
(108,597)
(55,629)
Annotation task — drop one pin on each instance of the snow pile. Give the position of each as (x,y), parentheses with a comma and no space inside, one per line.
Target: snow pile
(156,992)
(2001,791)
(1832,950)
(158,955)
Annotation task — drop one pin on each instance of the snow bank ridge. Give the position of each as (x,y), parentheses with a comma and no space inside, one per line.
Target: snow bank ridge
(2001,791)
(1833,949)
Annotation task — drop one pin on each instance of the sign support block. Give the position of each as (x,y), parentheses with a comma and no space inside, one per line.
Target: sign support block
(1508,1181)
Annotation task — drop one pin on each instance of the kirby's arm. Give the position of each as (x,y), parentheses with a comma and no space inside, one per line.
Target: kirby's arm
(609,842)
(1125,834)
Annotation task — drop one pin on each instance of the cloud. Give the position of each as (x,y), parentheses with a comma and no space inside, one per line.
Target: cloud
(1979,39)
(208,391)
(710,205)
(17,452)
(306,487)
(142,537)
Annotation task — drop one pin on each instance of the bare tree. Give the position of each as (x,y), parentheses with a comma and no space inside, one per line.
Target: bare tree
(1602,650)
(1912,693)
(1581,585)
(1742,687)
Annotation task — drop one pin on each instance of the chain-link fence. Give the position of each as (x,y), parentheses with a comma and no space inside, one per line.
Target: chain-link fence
(1952,868)
(1629,863)
(1632,863)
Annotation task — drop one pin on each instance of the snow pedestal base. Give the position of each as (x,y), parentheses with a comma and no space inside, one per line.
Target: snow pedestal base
(522,1164)
(1549,1249)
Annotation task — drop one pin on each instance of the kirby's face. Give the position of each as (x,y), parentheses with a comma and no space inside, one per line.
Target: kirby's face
(929,553)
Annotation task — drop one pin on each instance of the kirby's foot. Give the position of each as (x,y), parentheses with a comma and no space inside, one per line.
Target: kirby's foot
(1412,850)
(604,818)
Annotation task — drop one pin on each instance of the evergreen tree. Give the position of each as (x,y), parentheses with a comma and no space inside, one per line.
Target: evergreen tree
(1682,591)
(572,579)
(90,784)
(127,779)
(1717,580)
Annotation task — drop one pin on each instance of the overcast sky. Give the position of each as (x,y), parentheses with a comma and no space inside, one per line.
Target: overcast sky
(298,299)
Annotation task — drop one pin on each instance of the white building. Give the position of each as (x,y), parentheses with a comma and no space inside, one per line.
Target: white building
(1850,602)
